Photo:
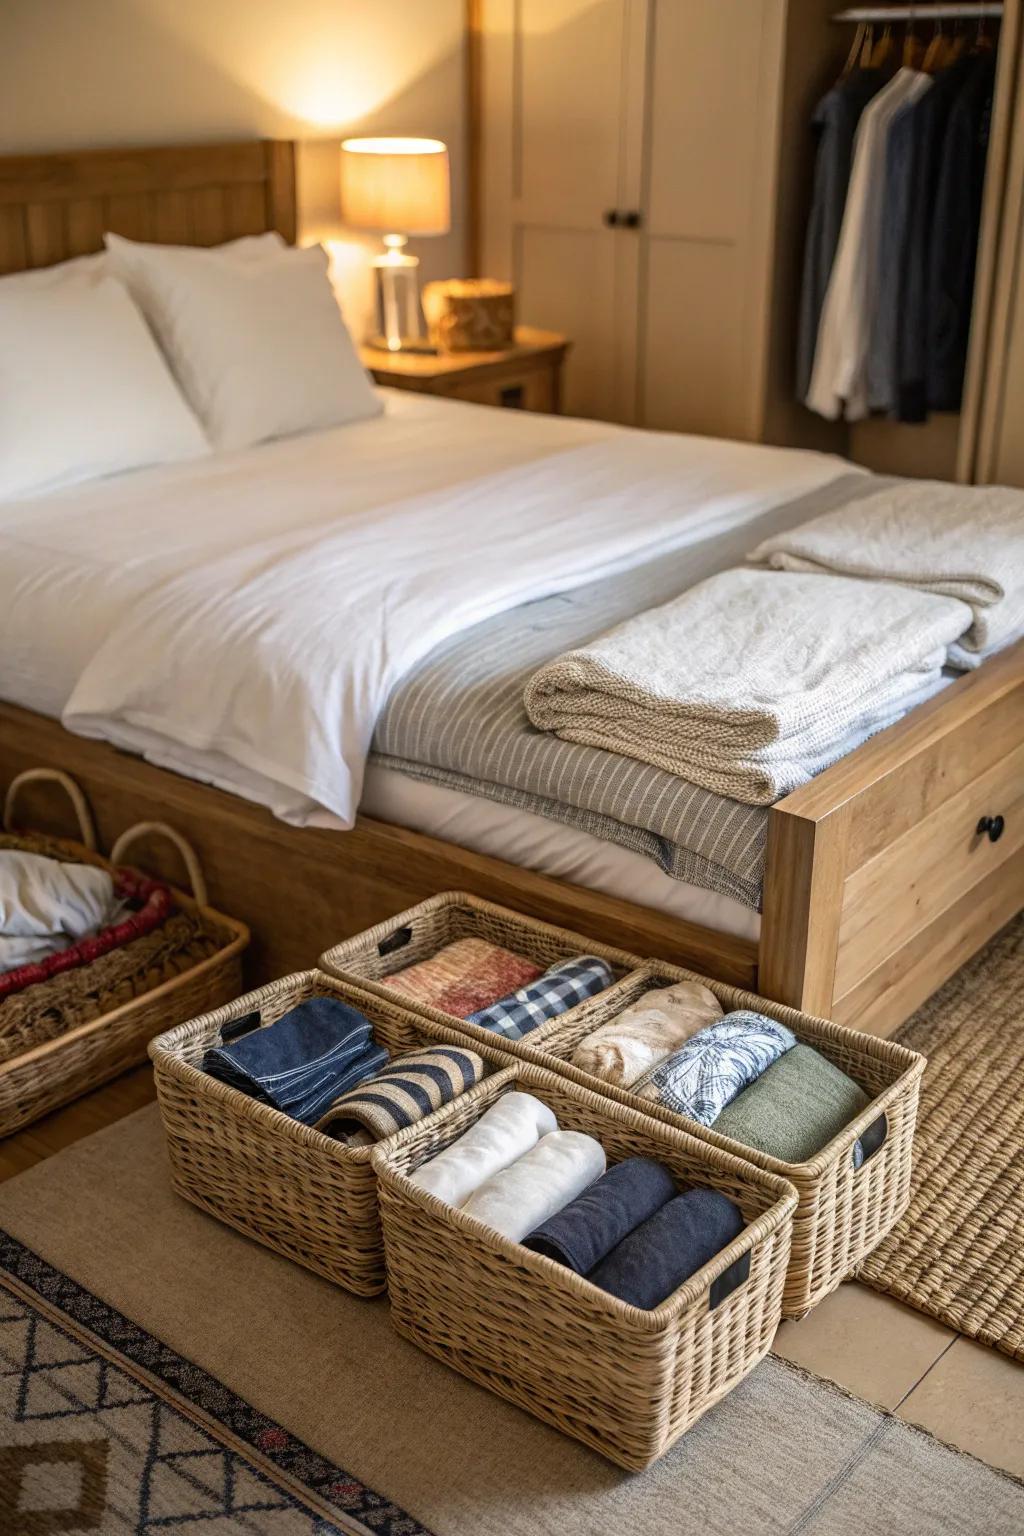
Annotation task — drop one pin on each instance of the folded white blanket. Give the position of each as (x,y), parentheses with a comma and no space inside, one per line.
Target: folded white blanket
(521,1198)
(503,1133)
(752,681)
(959,541)
(45,905)
(657,1024)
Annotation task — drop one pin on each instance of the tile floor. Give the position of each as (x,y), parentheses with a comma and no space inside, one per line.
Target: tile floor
(885,1352)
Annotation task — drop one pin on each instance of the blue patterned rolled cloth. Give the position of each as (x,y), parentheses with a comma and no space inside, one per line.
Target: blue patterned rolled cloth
(303,1061)
(707,1073)
(585,1232)
(561,987)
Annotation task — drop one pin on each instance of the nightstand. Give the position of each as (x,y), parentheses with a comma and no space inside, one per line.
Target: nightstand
(527,376)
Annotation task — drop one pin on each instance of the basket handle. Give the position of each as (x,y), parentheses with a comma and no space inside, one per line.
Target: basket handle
(86,825)
(189,856)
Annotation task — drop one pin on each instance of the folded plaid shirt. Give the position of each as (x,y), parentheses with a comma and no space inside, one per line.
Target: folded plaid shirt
(562,987)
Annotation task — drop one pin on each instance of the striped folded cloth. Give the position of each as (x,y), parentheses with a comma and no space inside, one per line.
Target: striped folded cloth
(560,988)
(464,976)
(407,1089)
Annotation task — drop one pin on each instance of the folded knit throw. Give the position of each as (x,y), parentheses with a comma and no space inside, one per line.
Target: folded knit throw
(752,681)
(302,1061)
(521,1197)
(464,976)
(408,1088)
(795,1107)
(680,1238)
(504,1132)
(657,1024)
(586,1231)
(959,541)
(560,988)
(707,1073)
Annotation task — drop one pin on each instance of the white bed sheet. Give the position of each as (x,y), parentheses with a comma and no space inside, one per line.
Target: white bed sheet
(548,848)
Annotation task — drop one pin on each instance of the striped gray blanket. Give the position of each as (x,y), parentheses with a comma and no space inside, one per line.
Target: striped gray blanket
(458,719)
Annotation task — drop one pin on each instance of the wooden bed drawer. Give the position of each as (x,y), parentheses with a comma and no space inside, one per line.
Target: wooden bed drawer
(906,886)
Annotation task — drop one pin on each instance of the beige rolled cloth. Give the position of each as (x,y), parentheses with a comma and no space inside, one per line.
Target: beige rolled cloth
(657,1024)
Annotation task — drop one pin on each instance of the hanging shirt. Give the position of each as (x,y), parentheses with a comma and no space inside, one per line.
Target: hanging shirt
(835,124)
(930,121)
(901,170)
(839,376)
(954,239)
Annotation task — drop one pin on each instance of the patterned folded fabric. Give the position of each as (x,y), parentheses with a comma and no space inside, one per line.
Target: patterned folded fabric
(711,1068)
(464,976)
(657,1024)
(408,1088)
(302,1061)
(562,987)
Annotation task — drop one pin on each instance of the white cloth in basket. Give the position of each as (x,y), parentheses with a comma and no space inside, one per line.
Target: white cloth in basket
(45,905)
(521,1198)
(503,1133)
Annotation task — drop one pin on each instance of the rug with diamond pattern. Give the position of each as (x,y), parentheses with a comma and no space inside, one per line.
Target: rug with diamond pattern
(104,1429)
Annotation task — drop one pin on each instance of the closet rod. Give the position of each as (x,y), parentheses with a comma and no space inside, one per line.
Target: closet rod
(923,12)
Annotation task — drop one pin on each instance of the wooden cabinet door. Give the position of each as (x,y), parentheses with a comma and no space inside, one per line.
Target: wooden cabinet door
(561,143)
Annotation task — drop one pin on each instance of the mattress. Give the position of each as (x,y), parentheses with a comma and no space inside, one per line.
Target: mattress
(237,571)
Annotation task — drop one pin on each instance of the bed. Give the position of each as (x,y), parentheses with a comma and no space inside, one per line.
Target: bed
(876,880)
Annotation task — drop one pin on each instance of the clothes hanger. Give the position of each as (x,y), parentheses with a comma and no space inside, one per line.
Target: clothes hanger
(935,57)
(856,54)
(883,51)
(913,48)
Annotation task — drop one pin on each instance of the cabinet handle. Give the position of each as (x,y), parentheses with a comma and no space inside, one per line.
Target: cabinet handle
(994,826)
(630,219)
(611,218)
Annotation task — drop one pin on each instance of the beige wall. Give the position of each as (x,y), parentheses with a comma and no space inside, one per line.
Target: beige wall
(94,73)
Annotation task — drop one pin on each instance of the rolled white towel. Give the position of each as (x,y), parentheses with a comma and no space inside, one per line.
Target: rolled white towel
(544,1181)
(503,1133)
(657,1024)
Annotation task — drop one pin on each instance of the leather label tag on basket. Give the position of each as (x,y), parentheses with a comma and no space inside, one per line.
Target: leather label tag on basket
(736,1275)
(398,940)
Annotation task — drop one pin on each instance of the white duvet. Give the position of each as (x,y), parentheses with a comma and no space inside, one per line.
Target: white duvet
(242,619)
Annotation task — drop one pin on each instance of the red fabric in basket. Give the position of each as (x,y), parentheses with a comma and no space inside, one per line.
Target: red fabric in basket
(157,903)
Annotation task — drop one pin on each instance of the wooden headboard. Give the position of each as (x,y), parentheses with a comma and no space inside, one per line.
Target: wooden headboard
(56,206)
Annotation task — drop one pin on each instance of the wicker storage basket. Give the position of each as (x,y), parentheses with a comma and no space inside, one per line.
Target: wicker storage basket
(290,1187)
(843,1211)
(131,993)
(625,1381)
(420,932)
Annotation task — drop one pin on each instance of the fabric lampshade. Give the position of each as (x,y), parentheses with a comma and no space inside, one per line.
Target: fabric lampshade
(396,186)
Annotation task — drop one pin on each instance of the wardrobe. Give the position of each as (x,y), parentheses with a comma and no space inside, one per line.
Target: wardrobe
(644,179)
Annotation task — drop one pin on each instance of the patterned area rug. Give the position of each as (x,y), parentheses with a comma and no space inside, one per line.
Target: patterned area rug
(958,1253)
(105,1429)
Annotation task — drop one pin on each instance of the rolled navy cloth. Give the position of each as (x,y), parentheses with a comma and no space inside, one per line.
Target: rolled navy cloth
(795,1107)
(542,1181)
(561,987)
(302,1061)
(504,1132)
(656,1258)
(408,1088)
(582,1234)
(464,976)
(657,1024)
(707,1073)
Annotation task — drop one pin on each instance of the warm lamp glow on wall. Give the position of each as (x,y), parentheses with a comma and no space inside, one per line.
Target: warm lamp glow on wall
(396,188)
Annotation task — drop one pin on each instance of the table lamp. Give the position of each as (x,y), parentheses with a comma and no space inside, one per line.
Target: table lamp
(396,187)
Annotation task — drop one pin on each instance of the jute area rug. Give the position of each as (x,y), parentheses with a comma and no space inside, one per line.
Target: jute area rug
(268,1387)
(958,1253)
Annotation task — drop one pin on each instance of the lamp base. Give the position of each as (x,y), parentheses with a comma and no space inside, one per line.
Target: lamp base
(415,344)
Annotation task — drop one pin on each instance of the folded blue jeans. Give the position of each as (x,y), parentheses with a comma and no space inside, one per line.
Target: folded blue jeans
(303,1061)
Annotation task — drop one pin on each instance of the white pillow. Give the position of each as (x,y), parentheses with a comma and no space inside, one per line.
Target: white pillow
(259,347)
(47,277)
(84,391)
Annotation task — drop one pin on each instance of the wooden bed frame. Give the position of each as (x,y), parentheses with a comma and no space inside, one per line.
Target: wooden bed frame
(881,879)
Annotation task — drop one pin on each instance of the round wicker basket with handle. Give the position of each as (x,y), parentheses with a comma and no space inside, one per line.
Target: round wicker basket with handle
(82,1027)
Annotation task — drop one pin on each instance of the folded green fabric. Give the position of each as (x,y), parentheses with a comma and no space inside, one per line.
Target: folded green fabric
(794,1108)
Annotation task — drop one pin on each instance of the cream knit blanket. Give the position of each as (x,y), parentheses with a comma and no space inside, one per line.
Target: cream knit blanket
(752,681)
(959,541)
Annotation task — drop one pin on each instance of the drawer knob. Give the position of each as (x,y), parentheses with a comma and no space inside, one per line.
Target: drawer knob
(993,826)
